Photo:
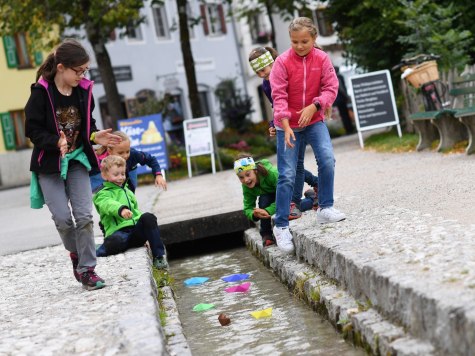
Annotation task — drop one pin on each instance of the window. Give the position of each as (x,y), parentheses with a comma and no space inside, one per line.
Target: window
(214,23)
(203,96)
(17,52)
(13,127)
(161,23)
(134,34)
(18,118)
(325,27)
(191,20)
(259,33)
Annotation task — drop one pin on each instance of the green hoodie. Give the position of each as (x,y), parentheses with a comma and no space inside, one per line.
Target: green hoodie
(267,184)
(109,201)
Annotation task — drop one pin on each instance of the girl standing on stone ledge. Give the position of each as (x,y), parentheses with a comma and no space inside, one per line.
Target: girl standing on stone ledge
(60,125)
(304,85)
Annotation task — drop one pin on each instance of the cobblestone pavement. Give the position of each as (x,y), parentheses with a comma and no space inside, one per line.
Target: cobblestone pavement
(408,243)
(410,219)
(45,311)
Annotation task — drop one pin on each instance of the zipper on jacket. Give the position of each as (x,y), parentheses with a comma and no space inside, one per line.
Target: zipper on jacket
(40,157)
(304,81)
(55,122)
(129,204)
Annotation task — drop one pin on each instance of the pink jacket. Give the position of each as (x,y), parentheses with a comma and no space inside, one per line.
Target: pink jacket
(300,81)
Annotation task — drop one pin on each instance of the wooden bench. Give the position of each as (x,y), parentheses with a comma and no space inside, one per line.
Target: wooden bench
(453,125)
(464,94)
(442,125)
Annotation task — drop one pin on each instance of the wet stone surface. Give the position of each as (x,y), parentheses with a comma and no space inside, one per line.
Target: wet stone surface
(293,327)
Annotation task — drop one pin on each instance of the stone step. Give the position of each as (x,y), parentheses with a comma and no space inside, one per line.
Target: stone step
(415,269)
(359,322)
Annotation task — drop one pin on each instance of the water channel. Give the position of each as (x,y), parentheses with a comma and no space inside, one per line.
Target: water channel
(293,328)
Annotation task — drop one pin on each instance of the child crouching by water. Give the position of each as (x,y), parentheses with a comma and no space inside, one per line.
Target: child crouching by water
(259,182)
(124,224)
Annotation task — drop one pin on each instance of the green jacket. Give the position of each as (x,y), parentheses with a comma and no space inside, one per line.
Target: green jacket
(266,185)
(109,201)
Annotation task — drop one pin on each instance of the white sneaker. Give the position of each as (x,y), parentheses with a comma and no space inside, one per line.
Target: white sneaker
(329,215)
(283,237)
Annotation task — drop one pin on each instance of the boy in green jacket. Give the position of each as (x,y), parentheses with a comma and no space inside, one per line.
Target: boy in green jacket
(259,182)
(124,224)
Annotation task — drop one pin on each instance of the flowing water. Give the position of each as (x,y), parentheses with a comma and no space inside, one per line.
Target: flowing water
(293,328)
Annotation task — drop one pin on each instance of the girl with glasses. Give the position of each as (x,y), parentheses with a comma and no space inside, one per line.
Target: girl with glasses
(60,125)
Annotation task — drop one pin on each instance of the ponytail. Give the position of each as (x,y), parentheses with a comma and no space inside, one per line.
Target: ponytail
(70,53)
(48,69)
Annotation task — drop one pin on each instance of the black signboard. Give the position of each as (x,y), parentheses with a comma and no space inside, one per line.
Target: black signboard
(373,100)
(121,74)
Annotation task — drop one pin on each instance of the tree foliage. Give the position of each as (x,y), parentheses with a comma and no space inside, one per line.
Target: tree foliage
(368,30)
(378,34)
(46,22)
(284,8)
(434,31)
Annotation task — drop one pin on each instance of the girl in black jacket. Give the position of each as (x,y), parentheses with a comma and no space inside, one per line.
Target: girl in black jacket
(59,123)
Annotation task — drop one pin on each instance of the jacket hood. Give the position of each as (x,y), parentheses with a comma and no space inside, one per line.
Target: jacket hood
(84,83)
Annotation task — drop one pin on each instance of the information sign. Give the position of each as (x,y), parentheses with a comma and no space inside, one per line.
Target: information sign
(373,102)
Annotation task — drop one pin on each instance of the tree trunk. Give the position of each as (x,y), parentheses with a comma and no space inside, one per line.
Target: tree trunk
(188,60)
(114,104)
(271,20)
(104,65)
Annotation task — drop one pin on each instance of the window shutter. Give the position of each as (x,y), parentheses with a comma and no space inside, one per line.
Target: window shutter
(10,51)
(204,19)
(8,131)
(222,18)
(38,58)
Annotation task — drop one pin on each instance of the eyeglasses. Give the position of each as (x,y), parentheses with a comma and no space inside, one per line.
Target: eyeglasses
(80,72)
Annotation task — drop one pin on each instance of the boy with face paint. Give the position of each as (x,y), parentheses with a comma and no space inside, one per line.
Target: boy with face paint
(259,183)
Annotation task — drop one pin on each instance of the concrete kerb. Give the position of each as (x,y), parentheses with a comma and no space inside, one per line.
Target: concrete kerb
(427,311)
(409,272)
(359,322)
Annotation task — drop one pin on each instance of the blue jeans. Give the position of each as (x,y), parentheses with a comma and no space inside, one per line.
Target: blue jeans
(264,201)
(96,181)
(133,179)
(146,229)
(318,137)
(302,176)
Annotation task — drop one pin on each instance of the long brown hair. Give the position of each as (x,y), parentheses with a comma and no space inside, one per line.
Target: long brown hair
(70,53)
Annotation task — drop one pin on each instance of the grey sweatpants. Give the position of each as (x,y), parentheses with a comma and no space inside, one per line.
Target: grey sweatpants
(72,195)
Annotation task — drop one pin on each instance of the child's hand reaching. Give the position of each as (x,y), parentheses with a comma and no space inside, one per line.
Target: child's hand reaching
(106,138)
(272,131)
(289,137)
(62,144)
(160,182)
(306,115)
(261,213)
(126,214)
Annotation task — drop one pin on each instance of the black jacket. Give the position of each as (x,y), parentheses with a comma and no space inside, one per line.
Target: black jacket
(42,129)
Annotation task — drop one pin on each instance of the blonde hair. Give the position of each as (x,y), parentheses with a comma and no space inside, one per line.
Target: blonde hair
(303,23)
(100,150)
(112,161)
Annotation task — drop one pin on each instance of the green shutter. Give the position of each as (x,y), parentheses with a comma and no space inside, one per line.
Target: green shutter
(10,51)
(38,58)
(8,131)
